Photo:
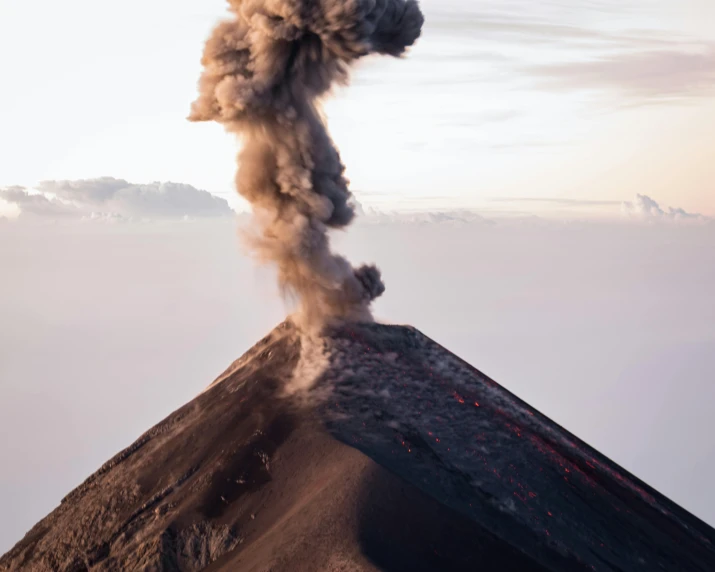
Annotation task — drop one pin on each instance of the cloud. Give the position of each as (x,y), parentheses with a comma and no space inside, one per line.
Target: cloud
(645,208)
(641,209)
(656,74)
(37,204)
(105,217)
(451,217)
(569,47)
(454,217)
(518,23)
(109,199)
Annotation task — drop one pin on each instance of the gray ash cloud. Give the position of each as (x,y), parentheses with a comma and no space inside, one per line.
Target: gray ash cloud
(264,72)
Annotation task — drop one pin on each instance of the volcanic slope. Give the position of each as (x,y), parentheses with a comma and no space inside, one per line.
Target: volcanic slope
(398,457)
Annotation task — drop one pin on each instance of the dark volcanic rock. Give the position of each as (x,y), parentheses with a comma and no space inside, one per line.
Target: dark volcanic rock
(401,457)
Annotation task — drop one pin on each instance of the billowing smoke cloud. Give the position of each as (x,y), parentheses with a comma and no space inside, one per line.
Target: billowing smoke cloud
(264,71)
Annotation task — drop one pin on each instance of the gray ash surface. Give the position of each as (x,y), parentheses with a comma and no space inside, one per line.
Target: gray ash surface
(403,458)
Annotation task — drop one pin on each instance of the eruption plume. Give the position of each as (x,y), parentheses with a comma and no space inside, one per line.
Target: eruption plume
(264,71)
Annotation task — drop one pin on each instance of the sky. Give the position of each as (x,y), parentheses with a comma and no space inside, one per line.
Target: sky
(580,100)
(536,184)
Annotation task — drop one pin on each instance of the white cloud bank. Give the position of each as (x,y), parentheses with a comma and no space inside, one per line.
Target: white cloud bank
(642,209)
(452,217)
(112,200)
(646,209)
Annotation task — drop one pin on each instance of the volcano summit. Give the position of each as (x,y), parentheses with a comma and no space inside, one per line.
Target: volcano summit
(397,456)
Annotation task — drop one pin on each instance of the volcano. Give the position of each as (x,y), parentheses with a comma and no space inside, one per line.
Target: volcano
(385,452)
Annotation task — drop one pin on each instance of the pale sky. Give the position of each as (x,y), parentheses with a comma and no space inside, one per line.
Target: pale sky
(578,99)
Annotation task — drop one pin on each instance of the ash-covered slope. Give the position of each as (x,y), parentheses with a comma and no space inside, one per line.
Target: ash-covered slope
(399,457)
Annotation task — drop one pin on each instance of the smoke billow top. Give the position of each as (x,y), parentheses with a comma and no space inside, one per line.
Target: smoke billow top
(264,71)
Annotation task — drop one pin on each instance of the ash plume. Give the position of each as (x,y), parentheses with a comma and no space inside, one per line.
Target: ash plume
(264,71)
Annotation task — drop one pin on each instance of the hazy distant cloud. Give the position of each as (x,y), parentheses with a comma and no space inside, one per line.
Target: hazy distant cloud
(109,199)
(645,208)
(643,74)
(155,200)
(451,217)
(37,204)
(105,217)
(565,51)
(372,215)
(642,208)
(513,24)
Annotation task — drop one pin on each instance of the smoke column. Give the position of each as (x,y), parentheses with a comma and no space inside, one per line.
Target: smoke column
(264,71)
